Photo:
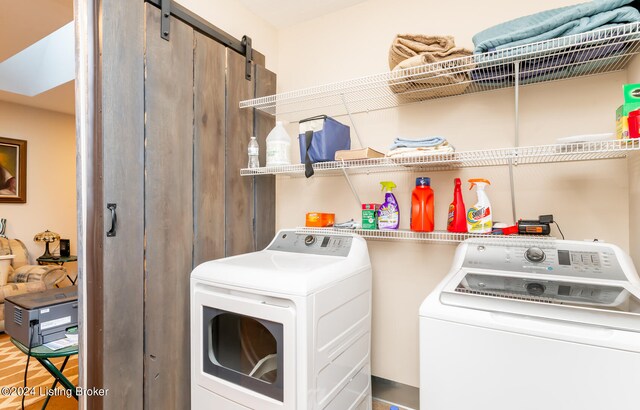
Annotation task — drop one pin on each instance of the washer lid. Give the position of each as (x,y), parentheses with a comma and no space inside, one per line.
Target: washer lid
(613,304)
(280,272)
(563,291)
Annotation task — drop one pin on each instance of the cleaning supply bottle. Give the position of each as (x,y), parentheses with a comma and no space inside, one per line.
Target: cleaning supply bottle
(457,220)
(389,212)
(278,146)
(422,206)
(479,216)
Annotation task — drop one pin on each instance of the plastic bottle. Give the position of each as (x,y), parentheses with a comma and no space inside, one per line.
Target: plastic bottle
(253,152)
(457,220)
(278,143)
(422,206)
(389,211)
(479,217)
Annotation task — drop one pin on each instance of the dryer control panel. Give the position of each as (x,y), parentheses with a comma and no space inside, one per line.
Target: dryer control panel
(565,258)
(313,244)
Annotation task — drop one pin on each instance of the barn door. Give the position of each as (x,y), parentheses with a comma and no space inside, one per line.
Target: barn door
(196,205)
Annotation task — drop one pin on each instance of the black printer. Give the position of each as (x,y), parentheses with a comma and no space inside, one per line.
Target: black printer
(49,313)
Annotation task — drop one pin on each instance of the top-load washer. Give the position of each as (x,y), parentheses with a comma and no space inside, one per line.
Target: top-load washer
(532,324)
(288,327)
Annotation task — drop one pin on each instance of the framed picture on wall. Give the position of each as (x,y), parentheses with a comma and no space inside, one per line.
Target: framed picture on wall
(13,170)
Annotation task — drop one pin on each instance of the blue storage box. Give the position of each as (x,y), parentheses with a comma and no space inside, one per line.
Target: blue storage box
(324,136)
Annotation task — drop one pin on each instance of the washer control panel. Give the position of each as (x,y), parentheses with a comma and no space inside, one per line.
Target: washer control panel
(566,258)
(557,291)
(313,244)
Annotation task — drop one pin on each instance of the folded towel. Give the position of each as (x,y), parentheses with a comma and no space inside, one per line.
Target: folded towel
(450,79)
(439,80)
(420,151)
(554,66)
(406,46)
(417,143)
(564,21)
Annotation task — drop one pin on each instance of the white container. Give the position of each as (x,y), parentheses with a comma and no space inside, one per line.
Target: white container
(278,146)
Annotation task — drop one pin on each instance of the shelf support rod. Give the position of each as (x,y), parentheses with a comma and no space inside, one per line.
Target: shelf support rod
(353,124)
(353,189)
(516,73)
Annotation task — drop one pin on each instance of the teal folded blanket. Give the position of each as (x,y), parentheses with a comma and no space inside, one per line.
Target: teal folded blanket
(564,21)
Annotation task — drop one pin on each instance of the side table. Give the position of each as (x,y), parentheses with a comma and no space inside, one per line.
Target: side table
(59,260)
(42,354)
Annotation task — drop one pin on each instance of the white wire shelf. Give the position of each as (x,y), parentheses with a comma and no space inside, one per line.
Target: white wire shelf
(595,52)
(430,237)
(584,151)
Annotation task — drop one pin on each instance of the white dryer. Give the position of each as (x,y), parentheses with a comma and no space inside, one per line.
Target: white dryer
(288,327)
(532,325)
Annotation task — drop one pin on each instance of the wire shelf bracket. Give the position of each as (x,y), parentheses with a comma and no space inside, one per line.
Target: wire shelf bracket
(353,189)
(353,123)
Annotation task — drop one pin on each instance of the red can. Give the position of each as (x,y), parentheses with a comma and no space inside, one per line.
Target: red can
(634,124)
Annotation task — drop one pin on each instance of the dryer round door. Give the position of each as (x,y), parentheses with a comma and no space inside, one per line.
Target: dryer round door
(244,350)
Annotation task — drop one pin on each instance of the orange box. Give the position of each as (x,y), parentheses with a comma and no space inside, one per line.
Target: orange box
(319,220)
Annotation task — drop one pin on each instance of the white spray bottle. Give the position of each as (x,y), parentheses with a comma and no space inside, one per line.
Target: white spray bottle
(479,216)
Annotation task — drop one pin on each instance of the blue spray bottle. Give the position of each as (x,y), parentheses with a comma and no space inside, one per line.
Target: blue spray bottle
(389,211)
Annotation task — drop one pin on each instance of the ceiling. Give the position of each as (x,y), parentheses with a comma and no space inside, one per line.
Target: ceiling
(23,23)
(284,13)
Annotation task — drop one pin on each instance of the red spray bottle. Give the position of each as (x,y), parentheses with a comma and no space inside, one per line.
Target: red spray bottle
(457,221)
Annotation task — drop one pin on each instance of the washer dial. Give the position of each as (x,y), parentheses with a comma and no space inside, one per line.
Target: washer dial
(535,289)
(535,255)
(309,240)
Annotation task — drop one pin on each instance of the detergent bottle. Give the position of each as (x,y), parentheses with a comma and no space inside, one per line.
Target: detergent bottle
(479,218)
(422,206)
(457,220)
(389,212)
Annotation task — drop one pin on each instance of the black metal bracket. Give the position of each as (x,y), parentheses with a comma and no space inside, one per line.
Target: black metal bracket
(169,8)
(165,19)
(248,55)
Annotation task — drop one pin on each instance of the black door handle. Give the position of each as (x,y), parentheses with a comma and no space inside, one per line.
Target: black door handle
(114,220)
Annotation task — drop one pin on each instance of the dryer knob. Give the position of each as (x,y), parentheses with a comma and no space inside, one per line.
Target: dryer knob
(535,255)
(309,240)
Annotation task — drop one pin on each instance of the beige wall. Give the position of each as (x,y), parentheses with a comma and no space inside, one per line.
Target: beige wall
(589,200)
(51,176)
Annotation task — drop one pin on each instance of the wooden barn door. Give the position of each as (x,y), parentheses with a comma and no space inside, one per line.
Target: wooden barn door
(196,205)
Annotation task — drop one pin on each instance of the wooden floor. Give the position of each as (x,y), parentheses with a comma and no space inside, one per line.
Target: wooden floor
(12,363)
(381,405)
